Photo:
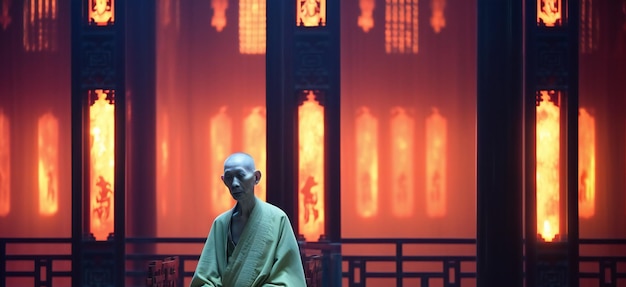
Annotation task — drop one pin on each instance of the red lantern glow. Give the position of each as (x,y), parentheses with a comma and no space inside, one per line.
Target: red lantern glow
(48,164)
(311,167)
(436,130)
(220,138)
(102,159)
(548,167)
(402,180)
(366,163)
(5,166)
(586,164)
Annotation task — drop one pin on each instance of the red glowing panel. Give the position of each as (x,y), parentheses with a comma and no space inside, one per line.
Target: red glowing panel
(402,169)
(48,164)
(311,168)
(163,163)
(586,164)
(366,19)
(5,166)
(549,12)
(252,26)
(221,146)
(311,13)
(401,26)
(102,164)
(436,130)
(255,145)
(102,12)
(366,163)
(548,168)
(219,14)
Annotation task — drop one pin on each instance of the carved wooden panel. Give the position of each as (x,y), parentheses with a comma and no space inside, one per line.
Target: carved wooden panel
(97,69)
(98,264)
(311,58)
(552,64)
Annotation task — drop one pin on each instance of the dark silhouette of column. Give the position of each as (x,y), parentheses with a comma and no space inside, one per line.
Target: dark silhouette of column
(499,143)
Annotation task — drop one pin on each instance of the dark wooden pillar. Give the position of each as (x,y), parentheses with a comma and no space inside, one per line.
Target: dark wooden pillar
(141,217)
(499,143)
(141,104)
(282,170)
(551,68)
(98,62)
(301,59)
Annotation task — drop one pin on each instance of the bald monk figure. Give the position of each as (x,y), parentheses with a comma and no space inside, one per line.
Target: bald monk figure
(252,244)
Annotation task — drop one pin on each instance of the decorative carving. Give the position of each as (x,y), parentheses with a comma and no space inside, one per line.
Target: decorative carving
(311,13)
(40,30)
(98,264)
(98,63)
(549,12)
(252,27)
(102,12)
(311,63)
(452,273)
(552,274)
(608,273)
(552,62)
(402,27)
(552,264)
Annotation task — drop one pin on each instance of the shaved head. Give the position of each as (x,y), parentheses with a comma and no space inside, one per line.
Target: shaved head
(240,159)
(240,176)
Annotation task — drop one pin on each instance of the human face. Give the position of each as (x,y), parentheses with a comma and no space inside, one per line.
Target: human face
(240,179)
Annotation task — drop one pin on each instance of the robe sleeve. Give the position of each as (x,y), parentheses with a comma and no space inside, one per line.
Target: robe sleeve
(287,269)
(207,272)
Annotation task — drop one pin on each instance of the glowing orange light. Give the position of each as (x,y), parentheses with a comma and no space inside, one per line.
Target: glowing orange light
(436,130)
(548,168)
(102,12)
(586,164)
(5,166)
(437,19)
(366,19)
(402,185)
(549,12)
(366,163)
(219,14)
(255,145)
(48,159)
(401,26)
(311,13)
(39,24)
(163,162)
(311,167)
(252,26)
(102,156)
(221,146)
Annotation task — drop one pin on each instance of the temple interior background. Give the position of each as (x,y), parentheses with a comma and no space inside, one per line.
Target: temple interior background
(408,124)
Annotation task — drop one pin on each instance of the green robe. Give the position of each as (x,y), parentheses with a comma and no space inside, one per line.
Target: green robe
(267,253)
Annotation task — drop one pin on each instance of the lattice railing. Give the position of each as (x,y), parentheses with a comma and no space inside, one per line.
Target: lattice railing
(404,262)
(42,262)
(45,262)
